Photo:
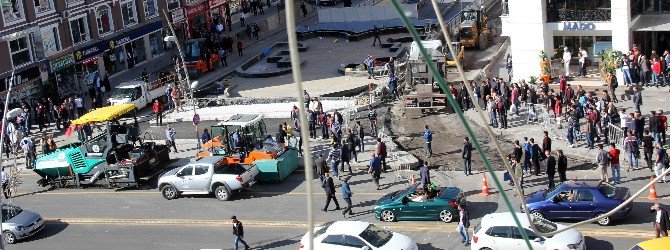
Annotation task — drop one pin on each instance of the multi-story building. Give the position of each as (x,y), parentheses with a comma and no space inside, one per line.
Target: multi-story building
(67,43)
(551,25)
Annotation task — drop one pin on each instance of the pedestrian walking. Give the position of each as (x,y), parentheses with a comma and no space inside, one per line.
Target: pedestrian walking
(238,232)
(463,224)
(205,136)
(158,110)
(377,36)
(346,196)
(535,156)
(661,162)
(562,166)
(424,173)
(372,116)
(29,151)
(5,184)
(334,158)
(381,153)
(329,187)
(345,155)
(655,126)
(546,142)
(361,136)
(369,64)
(375,169)
(648,149)
(303,8)
(321,167)
(223,56)
(637,98)
(614,163)
(467,156)
(631,147)
(603,160)
(171,135)
(551,168)
(428,137)
(243,15)
(661,221)
(240,47)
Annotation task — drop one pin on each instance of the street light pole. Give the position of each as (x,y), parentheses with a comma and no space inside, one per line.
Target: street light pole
(2,140)
(183,66)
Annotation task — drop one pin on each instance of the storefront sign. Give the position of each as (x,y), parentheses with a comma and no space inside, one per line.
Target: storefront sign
(215,3)
(195,10)
(60,63)
(579,26)
(86,53)
(178,15)
(135,34)
(194,2)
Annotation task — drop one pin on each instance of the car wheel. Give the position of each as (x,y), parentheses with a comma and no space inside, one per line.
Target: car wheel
(605,221)
(446,216)
(536,214)
(169,192)
(388,216)
(10,238)
(222,193)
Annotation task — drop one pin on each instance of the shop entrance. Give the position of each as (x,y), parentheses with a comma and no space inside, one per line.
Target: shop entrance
(652,40)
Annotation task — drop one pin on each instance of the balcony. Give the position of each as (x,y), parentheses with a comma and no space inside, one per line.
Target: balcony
(594,15)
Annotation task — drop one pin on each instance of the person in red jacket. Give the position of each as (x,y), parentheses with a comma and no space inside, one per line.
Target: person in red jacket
(158,109)
(655,71)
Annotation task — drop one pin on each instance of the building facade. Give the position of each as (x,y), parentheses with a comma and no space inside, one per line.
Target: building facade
(62,45)
(595,25)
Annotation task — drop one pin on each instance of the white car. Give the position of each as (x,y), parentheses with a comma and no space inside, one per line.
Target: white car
(346,235)
(499,231)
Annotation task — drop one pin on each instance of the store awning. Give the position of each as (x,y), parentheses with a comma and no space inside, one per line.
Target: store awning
(107,113)
(652,23)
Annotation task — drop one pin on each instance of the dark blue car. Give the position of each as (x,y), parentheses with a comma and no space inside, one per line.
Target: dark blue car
(579,200)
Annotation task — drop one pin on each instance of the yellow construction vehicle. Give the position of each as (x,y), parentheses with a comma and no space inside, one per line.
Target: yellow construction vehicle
(472,32)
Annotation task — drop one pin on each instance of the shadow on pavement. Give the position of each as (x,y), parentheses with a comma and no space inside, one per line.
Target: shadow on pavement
(51,228)
(285,243)
(479,209)
(428,246)
(593,243)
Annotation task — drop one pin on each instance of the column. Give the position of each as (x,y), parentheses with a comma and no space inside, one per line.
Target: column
(147,48)
(529,36)
(621,34)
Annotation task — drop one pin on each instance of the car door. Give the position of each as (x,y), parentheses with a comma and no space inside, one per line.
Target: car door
(334,242)
(560,207)
(501,237)
(521,243)
(583,205)
(406,208)
(185,176)
(201,177)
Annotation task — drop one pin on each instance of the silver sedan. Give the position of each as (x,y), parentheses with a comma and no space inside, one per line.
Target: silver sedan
(19,224)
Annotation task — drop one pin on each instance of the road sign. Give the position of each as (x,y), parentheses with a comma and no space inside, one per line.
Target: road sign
(196,119)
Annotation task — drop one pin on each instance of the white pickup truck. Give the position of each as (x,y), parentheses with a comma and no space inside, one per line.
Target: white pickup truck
(207,175)
(137,92)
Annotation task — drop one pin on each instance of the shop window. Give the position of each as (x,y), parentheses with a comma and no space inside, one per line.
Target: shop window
(79,30)
(128,13)
(42,6)
(51,40)
(138,53)
(12,11)
(103,19)
(173,4)
(579,10)
(157,44)
(20,50)
(150,8)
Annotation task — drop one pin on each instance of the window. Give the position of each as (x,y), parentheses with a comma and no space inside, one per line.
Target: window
(334,240)
(103,19)
(173,4)
(376,236)
(234,169)
(352,241)
(517,233)
(51,40)
(201,169)
(12,11)
(74,2)
(584,196)
(79,30)
(128,13)
(42,6)
(150,8)
(187,171)
(20,50)
(505,232)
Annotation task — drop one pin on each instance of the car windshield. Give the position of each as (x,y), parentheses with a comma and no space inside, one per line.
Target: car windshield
(607,189)
(120,93)
(376,236)
(397,194)
(9,212)
(323,228)
(551,191)
(192,51)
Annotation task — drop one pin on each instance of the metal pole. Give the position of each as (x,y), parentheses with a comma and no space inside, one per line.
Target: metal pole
(183,66)
(2,140)
(304,135)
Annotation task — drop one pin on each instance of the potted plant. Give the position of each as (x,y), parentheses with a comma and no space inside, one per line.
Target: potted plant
(611,61)
(545,69)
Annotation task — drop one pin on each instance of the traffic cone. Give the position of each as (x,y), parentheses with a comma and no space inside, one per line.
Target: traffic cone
(652,191)
(413,180)
(485,187)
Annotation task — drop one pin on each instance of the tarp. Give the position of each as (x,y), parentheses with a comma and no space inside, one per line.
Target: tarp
(104,114)
(652,23)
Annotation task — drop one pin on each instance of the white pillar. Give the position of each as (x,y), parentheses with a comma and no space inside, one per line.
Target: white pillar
(529,36)
(621,34)
(147,48)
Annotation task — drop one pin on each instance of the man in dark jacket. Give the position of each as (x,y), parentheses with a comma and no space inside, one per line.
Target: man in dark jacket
(535,155)
(648,149)
(238,232)
(661,221)
(376,34)
(321,166)
(655,126)
(637,98)
(546,142)
(375,168)
(551,168)
(467,156)
(463,224)
(424,172)
(329,187)
(345,156)
(280,135)
(562,166)
(346,195)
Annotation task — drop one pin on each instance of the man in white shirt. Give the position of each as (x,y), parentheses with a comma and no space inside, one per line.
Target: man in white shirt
(624,121)
(567,56)
(661,221)
(584,56)
(79,103)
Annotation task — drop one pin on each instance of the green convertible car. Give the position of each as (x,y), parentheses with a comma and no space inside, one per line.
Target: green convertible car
(413,203)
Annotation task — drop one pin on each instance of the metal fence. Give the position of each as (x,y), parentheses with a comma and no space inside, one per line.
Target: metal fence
(615,135)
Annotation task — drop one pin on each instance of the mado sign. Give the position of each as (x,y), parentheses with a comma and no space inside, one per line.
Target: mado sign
(579,26)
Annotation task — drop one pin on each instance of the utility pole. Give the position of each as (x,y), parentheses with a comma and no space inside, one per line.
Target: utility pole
(2,140)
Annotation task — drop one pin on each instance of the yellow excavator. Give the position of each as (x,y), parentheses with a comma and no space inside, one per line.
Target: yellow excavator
(472,32)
